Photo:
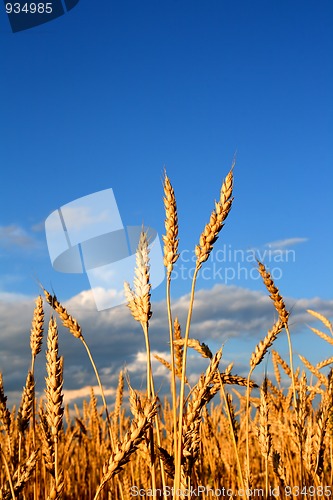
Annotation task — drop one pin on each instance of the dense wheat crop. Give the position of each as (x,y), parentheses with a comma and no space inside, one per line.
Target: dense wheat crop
(222,437)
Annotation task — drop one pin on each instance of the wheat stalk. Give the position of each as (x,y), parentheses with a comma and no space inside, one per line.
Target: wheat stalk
(295,440)
(202,252)
(301,416)
(122,451)
(36,339)
(170,249)
(282,312)
(20,478)
(54,402)
(262,347)
(75,329)
(264,434)
(201,395)
(138,301)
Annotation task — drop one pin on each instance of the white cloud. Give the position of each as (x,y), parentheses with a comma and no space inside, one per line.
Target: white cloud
(10,297)
(71,395)
(286,243)
(82,216)
(15,236)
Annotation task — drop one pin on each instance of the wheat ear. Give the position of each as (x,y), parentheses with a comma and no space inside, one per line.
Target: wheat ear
(256,358)
(20,477)
(67,320)
(274,293)
(54,380)
(263,346)
(122,451)
(322,335)
(314,370)
(216,222)
(118,403)
(178,349)
(198,346)
(282,312)
(322,318)
(324,414)
(5,415)
(54,401)
(37,329)
(229,379)
(170,249)
(75,329)
(324,363)
(200,396)
(47,441)
(219,380)
(138,301)
(282,363)
(170,239)
(202,251)
(36,339)
(28,397)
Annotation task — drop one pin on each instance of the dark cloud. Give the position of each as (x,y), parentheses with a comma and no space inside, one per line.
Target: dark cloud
(230,314)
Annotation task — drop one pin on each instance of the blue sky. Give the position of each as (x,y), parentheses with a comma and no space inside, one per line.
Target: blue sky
(110,93)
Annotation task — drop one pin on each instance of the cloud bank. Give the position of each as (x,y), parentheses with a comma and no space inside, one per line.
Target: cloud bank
(233,315)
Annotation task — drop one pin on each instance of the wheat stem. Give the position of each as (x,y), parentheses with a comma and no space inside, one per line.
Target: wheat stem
(8,474)
(291,363)
(173,371)
(182,385)
(232,432)
(170,257)
(100,388)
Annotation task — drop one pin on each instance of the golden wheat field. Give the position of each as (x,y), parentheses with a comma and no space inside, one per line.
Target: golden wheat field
(223,437)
